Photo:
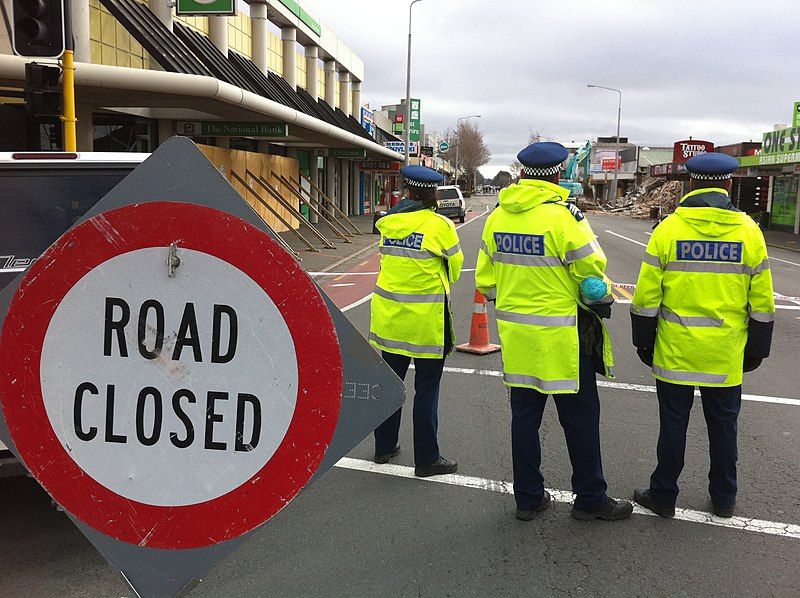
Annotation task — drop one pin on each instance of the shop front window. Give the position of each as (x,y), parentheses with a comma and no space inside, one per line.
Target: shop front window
(784,202)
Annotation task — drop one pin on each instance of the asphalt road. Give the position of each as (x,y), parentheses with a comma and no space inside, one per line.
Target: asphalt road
(374,531)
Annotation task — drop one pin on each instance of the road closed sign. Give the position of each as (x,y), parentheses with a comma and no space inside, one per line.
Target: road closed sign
(164,360)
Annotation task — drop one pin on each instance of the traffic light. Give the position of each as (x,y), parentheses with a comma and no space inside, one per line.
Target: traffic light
(38,30)
(42,91)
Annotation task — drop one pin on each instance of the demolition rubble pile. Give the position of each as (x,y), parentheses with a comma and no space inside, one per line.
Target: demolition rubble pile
(652,199)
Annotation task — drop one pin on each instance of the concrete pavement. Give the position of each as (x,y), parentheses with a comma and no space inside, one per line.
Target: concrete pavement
(362,533)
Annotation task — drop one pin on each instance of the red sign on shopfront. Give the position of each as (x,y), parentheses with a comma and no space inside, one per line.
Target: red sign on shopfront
(683,150)
(608,163)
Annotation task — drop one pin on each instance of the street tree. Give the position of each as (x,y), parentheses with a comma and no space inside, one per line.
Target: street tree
(502,179)
(467,142)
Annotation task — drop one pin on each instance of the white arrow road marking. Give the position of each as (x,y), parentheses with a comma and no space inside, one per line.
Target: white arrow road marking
(774,528)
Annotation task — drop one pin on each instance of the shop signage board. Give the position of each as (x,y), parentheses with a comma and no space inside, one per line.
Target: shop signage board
(400,147)
(172,417)
(220,128)
(379,166)
(205,7)
(414,120)
(346,152)
(427,150)
(688,148)
(796,115)
(443,146)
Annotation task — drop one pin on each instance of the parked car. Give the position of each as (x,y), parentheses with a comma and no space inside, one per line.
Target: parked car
(451,202)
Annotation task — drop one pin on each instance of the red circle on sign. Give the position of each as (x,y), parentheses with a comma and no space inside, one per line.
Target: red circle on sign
(245,247)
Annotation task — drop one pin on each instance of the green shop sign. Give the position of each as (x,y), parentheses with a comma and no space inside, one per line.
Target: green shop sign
(301,14)
(777,147)
(414,120)
(220,128)
(796,115)
(347,152)
(206,7)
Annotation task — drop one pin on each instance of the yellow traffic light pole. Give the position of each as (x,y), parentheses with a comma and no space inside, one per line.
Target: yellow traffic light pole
(68,83)
(69,120)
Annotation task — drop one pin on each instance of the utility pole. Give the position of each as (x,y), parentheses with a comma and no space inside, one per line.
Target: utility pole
(407,123)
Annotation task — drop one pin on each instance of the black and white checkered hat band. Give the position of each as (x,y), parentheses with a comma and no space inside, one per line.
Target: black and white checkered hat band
(530,171)
(418,184)
(710,177)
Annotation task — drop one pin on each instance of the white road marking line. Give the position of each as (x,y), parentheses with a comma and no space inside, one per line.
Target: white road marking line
(343,284)
(649,234)
(611,232)
(760,526)
(362,273)
(357,303)
(474,219)
(624,386)
(777,259)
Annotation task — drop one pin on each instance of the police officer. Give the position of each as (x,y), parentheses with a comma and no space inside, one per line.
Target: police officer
(537,251)
(420,259)
(702,314)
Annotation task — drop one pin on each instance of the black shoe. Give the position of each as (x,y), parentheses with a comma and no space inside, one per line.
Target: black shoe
(725,512)
(645,499)
(612,510)
(441,467)
(381,459)
(528,515)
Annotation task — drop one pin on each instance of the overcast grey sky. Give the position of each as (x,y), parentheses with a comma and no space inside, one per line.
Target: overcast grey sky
(721,70)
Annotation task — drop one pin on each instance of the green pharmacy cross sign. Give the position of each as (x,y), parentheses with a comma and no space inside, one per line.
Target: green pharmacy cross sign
(220,128)
(206,7)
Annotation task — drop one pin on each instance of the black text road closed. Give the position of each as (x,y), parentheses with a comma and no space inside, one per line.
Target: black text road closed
(191,403)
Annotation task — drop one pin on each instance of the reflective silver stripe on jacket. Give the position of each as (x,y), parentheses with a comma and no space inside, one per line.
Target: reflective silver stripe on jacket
(547,385)
(653,260)
(760,268)
(485,249)
(762,316)
(670,316)
(648,312)
(717,267)
(410,297)
(697,377)
(435,349)
(579,253)
(510,316)
(452,251)
(491,294)
(417,254)
(526,260)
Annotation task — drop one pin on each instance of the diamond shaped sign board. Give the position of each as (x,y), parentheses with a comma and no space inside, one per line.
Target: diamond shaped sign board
(173,378)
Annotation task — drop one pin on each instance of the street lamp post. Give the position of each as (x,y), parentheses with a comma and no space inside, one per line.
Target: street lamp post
(458,122)
(407,123)
(616,153)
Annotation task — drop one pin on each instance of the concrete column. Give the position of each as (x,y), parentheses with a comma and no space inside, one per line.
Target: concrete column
(312,64)
(330,82)
(218,33)
(330,179)
(346,196)
(344,92)
(259,22)
(85,128)
(357,100)
(163,12)
(289,38)
(79,12)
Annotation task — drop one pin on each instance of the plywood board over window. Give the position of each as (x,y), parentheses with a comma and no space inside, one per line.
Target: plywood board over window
(261,165)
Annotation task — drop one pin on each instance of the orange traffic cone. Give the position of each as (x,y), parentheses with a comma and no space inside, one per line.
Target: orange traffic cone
(479,331)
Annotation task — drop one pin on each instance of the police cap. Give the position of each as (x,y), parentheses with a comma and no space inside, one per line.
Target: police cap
(543,158)
(712,166)
(421,176)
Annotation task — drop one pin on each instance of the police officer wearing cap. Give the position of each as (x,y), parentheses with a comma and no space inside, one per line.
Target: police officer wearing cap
(411,318)
(542,265)
(702,314)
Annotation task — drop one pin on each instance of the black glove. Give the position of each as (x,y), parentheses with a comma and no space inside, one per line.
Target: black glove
(603,310)
(750,363)
(646,355)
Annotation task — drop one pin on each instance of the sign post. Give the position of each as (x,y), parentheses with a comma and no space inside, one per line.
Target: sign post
(173,378)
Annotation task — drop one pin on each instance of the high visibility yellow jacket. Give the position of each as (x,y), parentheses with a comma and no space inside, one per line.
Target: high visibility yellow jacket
(535,252)
(420,259)
(704,280)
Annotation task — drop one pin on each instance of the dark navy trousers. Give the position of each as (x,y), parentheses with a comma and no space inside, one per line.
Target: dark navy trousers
(579,415)
(721,409)
(426,409)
